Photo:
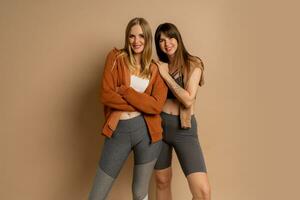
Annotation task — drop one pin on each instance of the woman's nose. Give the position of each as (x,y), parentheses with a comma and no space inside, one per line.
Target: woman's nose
(136,40)
(167,42)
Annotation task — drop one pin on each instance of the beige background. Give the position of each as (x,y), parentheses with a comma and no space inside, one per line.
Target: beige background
(52,55)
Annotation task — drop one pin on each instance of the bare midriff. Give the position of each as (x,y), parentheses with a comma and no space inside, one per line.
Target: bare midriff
(129,115)
(172,107)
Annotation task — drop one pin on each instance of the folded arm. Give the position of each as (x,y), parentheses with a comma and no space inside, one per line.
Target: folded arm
(186,95)
(109,96)
(150,104)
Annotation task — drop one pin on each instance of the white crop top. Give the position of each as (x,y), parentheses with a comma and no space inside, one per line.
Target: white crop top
(138,84)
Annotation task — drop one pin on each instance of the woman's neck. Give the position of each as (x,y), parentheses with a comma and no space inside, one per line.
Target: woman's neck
(137,58)
(171,62)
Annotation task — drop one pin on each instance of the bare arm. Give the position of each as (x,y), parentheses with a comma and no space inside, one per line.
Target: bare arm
(186,95)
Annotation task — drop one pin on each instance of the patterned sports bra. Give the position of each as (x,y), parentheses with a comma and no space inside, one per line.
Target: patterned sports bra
(178,77)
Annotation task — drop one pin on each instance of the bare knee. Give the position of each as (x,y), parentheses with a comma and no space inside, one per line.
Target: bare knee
(202,192)
(163,179)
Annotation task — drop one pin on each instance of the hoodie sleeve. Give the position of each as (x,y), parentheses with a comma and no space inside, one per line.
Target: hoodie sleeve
(150,104)
(109,96)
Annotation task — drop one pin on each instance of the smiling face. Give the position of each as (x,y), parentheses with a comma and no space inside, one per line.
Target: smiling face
(168,45)
(136,39)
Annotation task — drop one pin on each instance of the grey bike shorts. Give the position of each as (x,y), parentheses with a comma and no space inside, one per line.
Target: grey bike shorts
(185,143)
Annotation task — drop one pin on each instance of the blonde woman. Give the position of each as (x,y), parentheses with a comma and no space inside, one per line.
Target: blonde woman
(133,94)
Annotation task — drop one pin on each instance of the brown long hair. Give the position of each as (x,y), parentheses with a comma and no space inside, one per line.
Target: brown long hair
(182,57)
(146,57)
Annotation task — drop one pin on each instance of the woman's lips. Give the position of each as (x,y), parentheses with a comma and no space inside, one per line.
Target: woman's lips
(136,46)
(168,49)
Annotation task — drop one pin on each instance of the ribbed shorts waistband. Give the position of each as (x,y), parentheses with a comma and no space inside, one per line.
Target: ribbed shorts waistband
(170,116)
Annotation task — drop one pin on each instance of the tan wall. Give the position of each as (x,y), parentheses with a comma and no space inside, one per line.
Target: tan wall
(52,56)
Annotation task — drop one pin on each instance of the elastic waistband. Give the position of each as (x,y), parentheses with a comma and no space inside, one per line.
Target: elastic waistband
(127,125)
(174,120)
(163,114)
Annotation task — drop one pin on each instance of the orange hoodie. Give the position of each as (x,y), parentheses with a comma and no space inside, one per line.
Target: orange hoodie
(118,96)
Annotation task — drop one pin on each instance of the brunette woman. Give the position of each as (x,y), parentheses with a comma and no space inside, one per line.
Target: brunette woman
(183,73)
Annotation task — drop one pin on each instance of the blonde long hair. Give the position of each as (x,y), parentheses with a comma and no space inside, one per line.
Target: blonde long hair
(147,52)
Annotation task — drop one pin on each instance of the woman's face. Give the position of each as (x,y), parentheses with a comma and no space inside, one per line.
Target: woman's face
(168,45)
(136,39)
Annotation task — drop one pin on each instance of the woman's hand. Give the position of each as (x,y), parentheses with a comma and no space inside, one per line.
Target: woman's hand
(121,89)
(163,68)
